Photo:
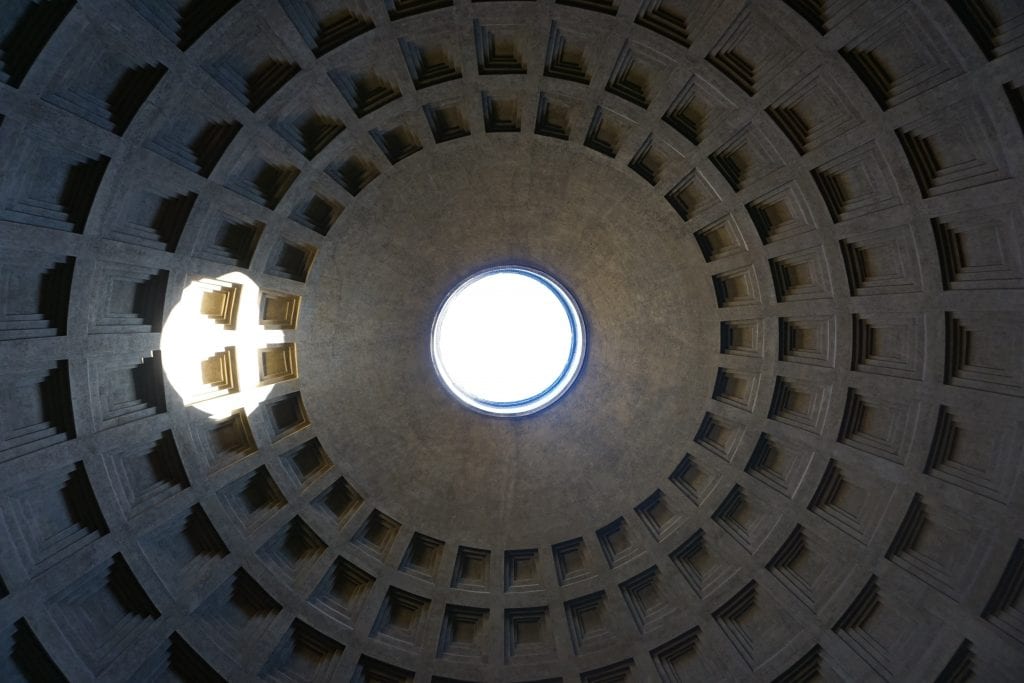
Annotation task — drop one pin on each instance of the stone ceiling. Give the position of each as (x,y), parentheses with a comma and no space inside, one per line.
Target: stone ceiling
(796,235)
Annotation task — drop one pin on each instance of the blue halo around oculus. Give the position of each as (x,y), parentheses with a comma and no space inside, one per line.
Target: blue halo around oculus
(508,341)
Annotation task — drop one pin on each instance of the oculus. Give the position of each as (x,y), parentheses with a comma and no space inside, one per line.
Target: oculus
(508,341)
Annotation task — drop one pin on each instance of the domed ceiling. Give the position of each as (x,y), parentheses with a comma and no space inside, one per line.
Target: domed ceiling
(795,233)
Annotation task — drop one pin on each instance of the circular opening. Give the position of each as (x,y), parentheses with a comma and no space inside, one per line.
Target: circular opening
(508,341)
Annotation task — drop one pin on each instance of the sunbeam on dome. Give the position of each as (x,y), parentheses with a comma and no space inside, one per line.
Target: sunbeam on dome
(217,354)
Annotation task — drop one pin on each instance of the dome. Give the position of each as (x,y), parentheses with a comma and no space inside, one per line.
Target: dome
(791,449)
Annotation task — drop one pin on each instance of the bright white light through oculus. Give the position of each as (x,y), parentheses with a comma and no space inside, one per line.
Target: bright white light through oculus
(192,339)
(508,341)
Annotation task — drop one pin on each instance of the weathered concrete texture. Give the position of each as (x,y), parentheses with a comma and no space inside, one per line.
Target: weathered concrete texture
(651,345)
(794,230)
